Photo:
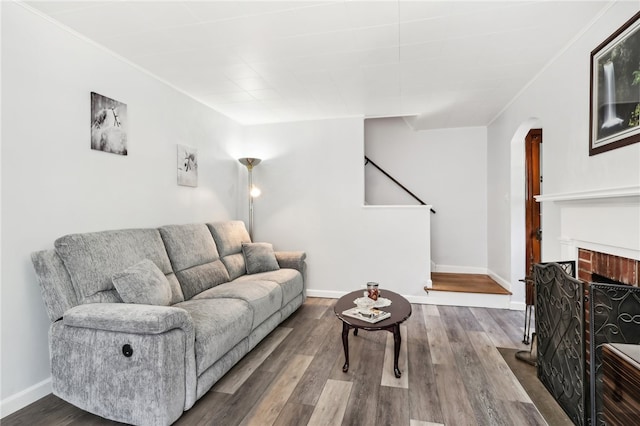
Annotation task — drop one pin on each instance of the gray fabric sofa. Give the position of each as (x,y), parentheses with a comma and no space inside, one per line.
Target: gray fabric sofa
(142,363)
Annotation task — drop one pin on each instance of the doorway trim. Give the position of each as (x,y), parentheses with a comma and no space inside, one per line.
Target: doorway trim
(517,199)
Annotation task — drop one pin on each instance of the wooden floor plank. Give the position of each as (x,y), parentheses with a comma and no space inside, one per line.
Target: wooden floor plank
(223,408)
(413,422)
(467,320)
(47,410)
(250,363)
(275,398)
(424,404)
(393,406)
(294,414)
(503,382)
(388,375)
(513,329)
(365,373)
(439,347)
(456,333)
(485,403)
(522,413)
(430,310)
(332,404)
(494,330)
(452,394)
(312,383)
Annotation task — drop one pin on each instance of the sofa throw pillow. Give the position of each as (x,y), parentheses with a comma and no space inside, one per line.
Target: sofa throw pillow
(144,284)
(259,257)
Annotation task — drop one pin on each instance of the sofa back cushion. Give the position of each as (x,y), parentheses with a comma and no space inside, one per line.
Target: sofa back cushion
(194,257)
(229,237)
(93,258)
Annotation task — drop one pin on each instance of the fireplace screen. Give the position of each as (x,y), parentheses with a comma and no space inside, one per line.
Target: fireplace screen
(560,333)
(615,318)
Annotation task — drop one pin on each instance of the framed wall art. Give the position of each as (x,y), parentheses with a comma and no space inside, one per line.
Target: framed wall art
(615,90)
(108,125)
(187,166)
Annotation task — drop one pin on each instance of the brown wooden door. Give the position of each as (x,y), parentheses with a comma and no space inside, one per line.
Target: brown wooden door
(533,229)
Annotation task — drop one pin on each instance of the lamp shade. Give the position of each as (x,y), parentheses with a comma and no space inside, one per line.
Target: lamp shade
(249,162)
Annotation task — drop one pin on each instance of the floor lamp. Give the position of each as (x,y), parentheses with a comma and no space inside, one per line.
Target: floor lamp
(253,191)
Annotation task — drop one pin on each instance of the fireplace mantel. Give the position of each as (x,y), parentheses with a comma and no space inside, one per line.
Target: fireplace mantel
(596,194)
(604,220)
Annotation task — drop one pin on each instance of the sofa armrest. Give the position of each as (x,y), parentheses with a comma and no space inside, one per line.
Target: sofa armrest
(129,318)
(291,260)
(112,358)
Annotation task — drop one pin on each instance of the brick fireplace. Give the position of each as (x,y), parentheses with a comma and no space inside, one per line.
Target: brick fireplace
(593,266)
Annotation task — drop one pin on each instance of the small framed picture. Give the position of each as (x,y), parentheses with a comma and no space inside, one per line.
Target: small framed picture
(108,125)
(187,166)
(615,90)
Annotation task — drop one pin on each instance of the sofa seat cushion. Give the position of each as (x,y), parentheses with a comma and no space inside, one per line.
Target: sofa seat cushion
(219,324)
(264,297)
(289,280)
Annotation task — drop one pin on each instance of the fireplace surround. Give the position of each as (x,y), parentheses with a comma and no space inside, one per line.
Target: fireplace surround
(600,230)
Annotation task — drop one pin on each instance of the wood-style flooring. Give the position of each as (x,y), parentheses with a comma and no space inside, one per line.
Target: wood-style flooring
(465,283)
(453,374)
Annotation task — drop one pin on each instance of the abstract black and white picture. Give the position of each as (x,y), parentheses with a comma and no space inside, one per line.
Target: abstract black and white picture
(187,166)
(108,125)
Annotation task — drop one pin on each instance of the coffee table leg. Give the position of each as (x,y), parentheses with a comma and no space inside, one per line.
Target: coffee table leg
(396,349)
(355,331)
(345,344)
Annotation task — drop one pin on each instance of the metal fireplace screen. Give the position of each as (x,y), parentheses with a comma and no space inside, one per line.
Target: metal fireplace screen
(614,318)
(560,334)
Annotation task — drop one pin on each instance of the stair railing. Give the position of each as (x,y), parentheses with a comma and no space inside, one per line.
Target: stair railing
(367,160)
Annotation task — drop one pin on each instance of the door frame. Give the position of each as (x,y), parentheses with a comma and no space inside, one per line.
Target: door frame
(533,183)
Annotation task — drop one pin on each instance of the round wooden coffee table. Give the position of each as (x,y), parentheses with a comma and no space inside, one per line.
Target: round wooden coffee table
(400,310)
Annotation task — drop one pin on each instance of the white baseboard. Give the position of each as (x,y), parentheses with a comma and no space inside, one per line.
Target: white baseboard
(419,300)
(454,269)
(518,306)
(25,397)
(328,294)
(497,278)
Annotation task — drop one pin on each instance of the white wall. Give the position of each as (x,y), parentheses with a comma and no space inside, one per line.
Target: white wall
(446,168)
(312,182)
(54,184)
(559,100)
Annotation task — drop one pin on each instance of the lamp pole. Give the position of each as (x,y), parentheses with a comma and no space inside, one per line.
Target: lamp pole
(250,163)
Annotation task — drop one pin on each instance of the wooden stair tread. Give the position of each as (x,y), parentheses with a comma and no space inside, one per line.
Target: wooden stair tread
(465,283)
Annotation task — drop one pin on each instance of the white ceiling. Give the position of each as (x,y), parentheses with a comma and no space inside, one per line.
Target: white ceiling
(451,63)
